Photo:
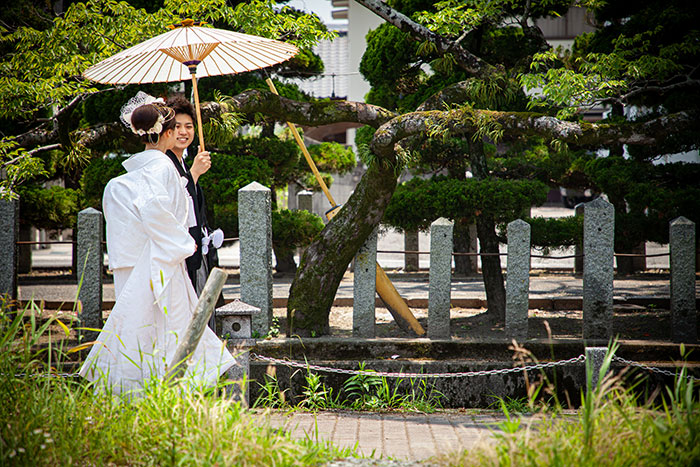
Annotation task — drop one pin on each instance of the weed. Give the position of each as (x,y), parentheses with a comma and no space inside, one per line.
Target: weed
(612,427)
(271,396)
(511,404)
(63,421)
(316,395)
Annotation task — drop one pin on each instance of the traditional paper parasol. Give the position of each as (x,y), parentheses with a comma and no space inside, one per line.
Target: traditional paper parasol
(190,51)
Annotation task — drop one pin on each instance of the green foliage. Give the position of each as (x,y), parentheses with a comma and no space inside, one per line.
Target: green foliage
(317,396)
(95,177)
(331,157)
(646,196)
(418,202)
(220,130)
(556,232)
(293,229)
(229,173)
(54,207)
(364,391)
(235,84)
(271,396)
(613,426)
(281,158)
(47,420)
(388,56)
(19,165)
(361,388)
(534,158)
(42,62)
(566,88)
(639,47)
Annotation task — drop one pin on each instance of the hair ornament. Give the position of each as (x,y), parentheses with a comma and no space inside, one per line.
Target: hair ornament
(140,99)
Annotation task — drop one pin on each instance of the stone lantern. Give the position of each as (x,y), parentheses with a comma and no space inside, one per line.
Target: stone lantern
(234,324)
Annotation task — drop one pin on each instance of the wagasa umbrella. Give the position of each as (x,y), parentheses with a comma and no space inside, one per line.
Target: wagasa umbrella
(190,51)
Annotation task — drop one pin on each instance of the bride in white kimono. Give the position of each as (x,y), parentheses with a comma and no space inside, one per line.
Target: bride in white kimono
(148,212)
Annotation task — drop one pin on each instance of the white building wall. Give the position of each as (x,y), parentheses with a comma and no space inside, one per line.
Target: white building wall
(360,21)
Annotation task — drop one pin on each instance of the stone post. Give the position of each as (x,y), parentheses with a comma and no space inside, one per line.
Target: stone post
(411,261)
(684,322)
(234,324)
(518,279)
(595,356)
(598,262)
(305,201)
(439,292)
(255,237)
(578,248)
(9,231)
(89,272)
(364,288)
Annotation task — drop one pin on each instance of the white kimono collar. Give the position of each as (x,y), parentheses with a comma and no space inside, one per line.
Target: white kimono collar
(142,159)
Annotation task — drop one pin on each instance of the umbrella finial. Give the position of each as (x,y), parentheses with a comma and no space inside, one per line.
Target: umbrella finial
(187,23)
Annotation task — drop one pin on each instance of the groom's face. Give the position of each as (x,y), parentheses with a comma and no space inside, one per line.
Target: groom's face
(184,131)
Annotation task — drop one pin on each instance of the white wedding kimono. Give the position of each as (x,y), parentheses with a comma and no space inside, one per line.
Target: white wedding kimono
(148,211)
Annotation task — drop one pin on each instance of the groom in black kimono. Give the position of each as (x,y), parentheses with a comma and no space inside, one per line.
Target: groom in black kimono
(198,265)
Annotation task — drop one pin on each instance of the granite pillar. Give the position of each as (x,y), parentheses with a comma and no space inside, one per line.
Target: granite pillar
(364,288)
(598,274)
(518,279)
(9,232)
(90,261)
(439,292)
(684,322)
(255,237)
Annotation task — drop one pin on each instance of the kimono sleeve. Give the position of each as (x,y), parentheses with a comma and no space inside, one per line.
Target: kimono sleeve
(169,241)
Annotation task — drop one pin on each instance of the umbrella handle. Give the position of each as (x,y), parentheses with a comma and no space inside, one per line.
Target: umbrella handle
(200,129)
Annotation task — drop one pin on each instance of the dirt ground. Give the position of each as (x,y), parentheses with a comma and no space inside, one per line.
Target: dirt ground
(630,322)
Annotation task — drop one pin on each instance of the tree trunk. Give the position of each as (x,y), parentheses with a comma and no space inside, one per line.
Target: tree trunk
(628,265)
(411,261)
(285,263)
(462,244)
(24,262)
(326,259)
(486,230)
(491,268)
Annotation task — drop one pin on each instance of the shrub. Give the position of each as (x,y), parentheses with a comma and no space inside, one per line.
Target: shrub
(48,208)
(292,230)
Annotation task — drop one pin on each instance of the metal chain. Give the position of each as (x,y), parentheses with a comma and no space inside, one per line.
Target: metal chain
(538,366)
(649,368)
(46,375)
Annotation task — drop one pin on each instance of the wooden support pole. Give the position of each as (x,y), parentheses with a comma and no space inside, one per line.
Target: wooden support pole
(202,312)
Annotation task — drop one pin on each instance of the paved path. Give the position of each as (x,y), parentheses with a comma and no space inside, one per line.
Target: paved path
(411,437)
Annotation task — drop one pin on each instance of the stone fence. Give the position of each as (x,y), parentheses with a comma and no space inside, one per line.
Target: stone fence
(256,270)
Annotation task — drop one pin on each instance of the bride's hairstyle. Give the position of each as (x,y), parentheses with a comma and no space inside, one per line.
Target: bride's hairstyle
(147,117)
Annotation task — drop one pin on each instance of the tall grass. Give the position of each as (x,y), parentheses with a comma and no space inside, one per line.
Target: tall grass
(612,427)
(63,421)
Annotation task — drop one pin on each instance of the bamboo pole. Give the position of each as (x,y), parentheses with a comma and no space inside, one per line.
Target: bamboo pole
(200,128)
(386,290)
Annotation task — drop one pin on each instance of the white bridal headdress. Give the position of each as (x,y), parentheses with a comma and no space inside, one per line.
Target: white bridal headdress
(141,98)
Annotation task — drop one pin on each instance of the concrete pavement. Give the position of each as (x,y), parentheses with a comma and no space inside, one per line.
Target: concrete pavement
(402,436)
